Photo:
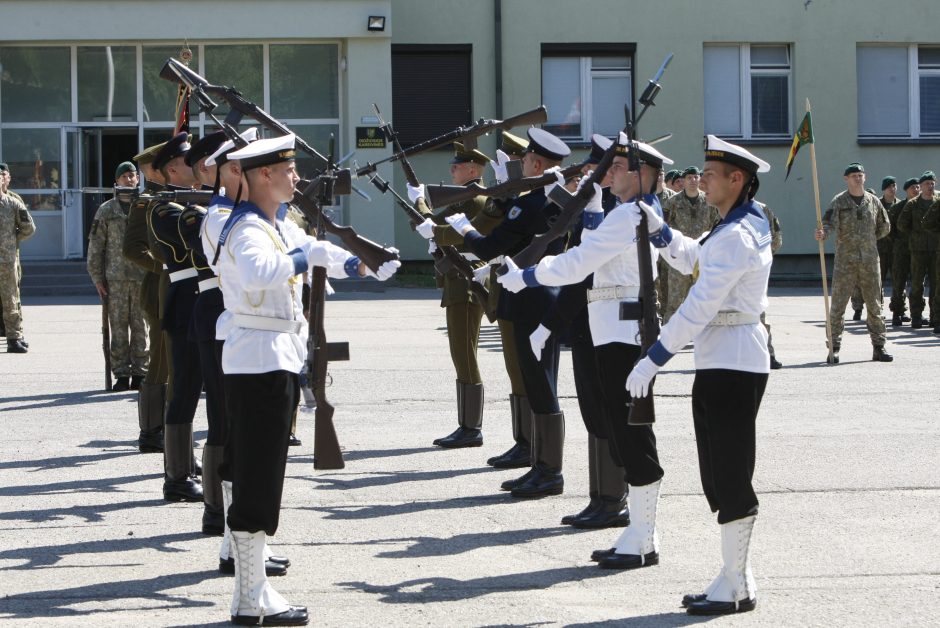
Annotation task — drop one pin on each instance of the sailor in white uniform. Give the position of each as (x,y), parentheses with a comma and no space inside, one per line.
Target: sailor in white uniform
(722,316)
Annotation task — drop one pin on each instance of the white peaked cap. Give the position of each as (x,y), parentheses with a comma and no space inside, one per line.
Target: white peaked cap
(265,152)
(650,155)
(249,135)
(716,149)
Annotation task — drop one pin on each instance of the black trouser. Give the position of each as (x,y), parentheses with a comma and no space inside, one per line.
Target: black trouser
(215,392)
(187,378)
(633,446)
(539,376)
(225,468)
(587,377)
(260,406)
(724,409)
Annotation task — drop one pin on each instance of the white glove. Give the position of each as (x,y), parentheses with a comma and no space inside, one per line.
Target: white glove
(499,166)
(415,192)
(512,280)
(481,273)
(385,271)
(653,220)
(431,247)
(559,179)
(460,224)
(537,340)
(638,383)
(426,229)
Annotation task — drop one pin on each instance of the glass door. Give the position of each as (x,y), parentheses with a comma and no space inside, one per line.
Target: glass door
(72,177)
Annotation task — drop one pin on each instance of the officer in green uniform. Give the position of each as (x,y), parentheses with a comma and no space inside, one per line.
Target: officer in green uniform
(889,192)
(136,248)
(931,224)
(923,247)
(463,311)
(901,255)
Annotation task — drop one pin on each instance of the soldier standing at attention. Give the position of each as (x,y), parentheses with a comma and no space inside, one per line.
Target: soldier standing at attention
(117,279)
(889,196)
(464,314)
(931,223)
(901,256)
(776,242)
(688,212)
(923,245)
(16,225)
(5,189)
(858,220)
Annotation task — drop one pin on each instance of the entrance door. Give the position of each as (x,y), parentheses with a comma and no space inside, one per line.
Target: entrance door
(103,149)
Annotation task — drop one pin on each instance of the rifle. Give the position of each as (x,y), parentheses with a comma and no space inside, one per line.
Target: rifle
(186,197)
(465,134)
(106,342)
(642,410)
(446,257)
(444,195)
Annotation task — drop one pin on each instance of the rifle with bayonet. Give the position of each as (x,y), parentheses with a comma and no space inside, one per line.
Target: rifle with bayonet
(444,195)
(446,257)
(467,135)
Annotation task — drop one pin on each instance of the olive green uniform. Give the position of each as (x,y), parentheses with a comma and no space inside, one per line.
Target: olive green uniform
(900,261)
(923,245)
(931,224)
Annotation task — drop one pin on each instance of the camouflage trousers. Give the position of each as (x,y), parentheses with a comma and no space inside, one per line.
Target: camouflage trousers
(900,273)
(922,269)
(845,278)
(129,355)
(677,289)
(10,298)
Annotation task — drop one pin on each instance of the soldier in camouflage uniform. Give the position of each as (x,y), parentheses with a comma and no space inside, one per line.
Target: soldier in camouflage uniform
(688,212)
(118,281)
(16,225)
(923,248)
(901,255)
(931,224)
(776,241)
(664,192)
(858,220)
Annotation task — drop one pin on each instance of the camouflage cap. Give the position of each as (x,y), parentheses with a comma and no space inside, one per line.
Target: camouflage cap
(124,166)
(910,183)
(888,182)
(852,168)
(513,144)
(927,176)
(463,156)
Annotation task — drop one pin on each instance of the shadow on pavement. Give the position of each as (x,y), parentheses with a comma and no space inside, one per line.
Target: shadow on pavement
(54,400)
(659,620)
(366,454)
(49,555)
(385,479)
(65,462)
(370,511)
(104,485)
(90,514)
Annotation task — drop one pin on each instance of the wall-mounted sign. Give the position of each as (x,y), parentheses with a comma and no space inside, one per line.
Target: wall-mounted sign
(369,137)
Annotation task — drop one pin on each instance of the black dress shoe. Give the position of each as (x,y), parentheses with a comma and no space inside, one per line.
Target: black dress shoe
(775,364)
(294,616)
(542,483)
(508,485)
(905,319)
(598,555)
(609,515)
(213,521)
(593,505)
(690,598)
(895,321)
(121,384)
(917,322)
(150,441)
(136,381)
(857,316)
(517,457)
(880,355)
(628,561)
(185,490)
(280,560)
(25,344)
(834,359)
(461,437)
(707,607)
(16,346)
(271,568)
(293,441)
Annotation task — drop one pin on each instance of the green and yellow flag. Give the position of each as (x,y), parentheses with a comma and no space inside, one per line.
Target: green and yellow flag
(804,135)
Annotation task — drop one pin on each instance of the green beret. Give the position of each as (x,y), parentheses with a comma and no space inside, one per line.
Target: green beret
(927,176)
(669,176)
(513,144)
(125,166)
(853,168)
(888,182)
(463,156)
(4,167)
(691,170)
(910,182)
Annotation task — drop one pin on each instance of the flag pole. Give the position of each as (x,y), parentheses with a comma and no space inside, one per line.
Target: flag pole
(822,247)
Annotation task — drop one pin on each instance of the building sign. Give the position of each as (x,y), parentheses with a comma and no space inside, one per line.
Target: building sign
(369,137)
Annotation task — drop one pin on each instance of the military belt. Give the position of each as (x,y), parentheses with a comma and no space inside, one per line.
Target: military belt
(612,293)
(212,283)
(267,323)
(180,275)
(733,319)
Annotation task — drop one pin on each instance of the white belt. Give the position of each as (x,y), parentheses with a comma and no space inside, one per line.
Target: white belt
(612,293)
(733,319)
(208,284)
(470,257)
(180,275)
(267,323)
(164,266)
(497,261)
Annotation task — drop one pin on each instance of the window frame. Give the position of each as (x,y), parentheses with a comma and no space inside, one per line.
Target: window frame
(914,98)
(585,52)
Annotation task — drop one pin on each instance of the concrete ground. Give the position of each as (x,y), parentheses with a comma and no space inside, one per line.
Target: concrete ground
(406,534)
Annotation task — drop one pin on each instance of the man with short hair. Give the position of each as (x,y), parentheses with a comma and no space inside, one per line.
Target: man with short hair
(858,219)
(901,256)
(923,247)
(117,280)
(931,223)
(16,225)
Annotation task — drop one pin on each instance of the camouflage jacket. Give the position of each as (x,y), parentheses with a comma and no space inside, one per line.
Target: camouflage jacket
(911,222)
(931,221)
(776,234)
(857,227)
(106,260)
(16,225)
(692,217)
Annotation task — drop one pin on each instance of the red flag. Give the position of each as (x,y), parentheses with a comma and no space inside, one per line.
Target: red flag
(182,110)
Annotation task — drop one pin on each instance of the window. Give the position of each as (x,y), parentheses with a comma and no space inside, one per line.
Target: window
(585,88)
(241,66)
(160,94)
(747,90)
(107,83)
(35,84)
(422,112)
(898,91)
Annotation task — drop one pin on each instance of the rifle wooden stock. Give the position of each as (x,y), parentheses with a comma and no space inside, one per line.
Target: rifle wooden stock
(642,410)
(106,342)
(444,195)
(326,450)
(369,253)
